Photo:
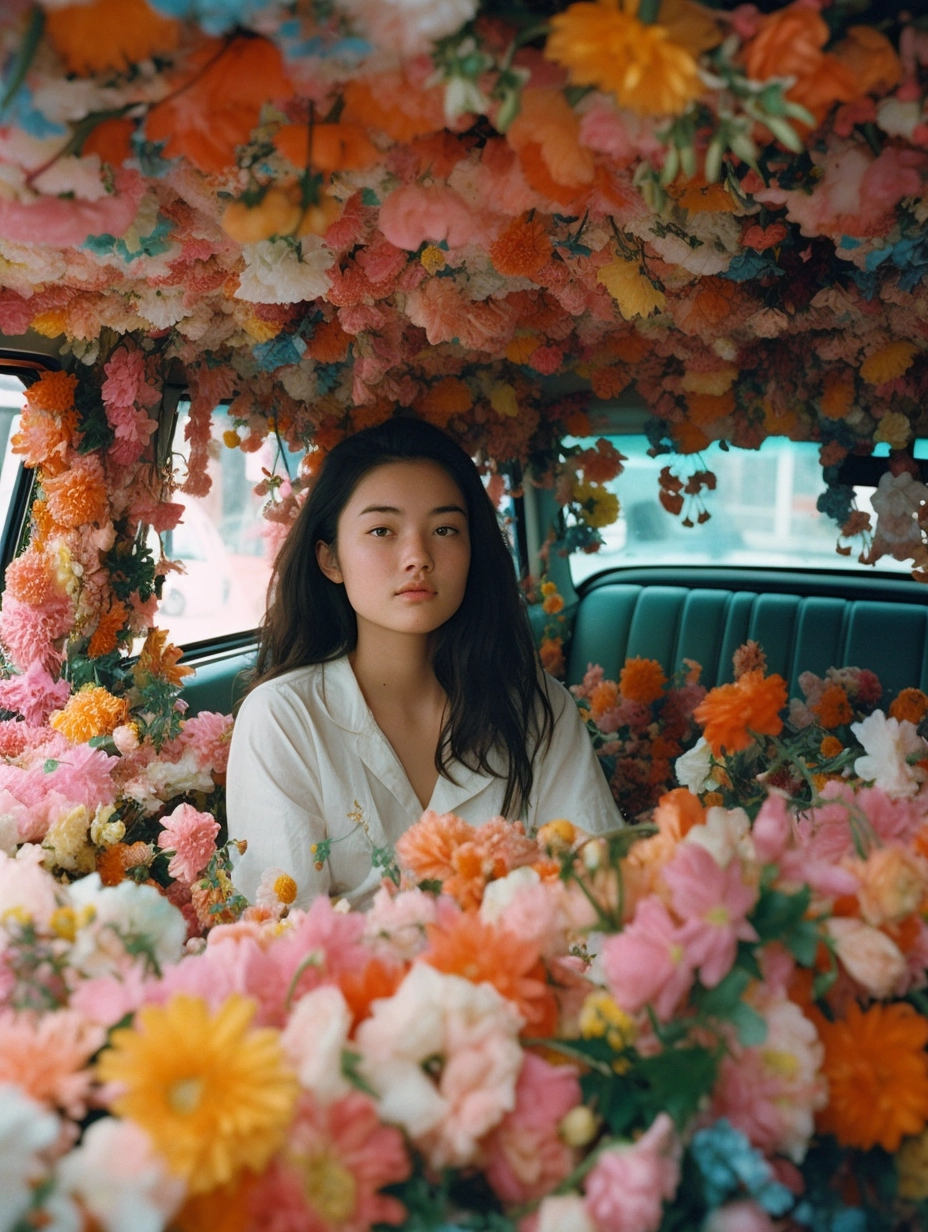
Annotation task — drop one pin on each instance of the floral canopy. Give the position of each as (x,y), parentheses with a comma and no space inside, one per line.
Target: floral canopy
(326,211)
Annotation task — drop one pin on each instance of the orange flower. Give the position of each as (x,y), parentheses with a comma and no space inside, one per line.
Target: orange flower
(552,656)
(158,660)
(329,343)
(604,697)
(605,45)
(609,382)
(688,438)
(871,59)
(704,409)
(427,848)
(109,34)
(375,980)
(833,707)
(831,746)
(480,952)
(830,83)
(394,105)
(787,44)
(522,249)
(521,349)
(111,140)
(106,634)
(114,863)
(53,392)
(463,857)
(911,704)
(877,1072)
(838,395)
(730,712)
(92,711)
(445,399)
(546,136)
(29,578)
(642,680)
(78,496)
(216,105)
(335,147)
(888,362)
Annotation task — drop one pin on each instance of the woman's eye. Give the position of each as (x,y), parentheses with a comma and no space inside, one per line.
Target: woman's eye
(379,532)
(446,530)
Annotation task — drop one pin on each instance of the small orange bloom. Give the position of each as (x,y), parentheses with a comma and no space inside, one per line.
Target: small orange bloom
(92,711)
(109,34)
(548,124)
(642,680)
(329,343)
(833,707)
(158,660)
(831,746)
(604,697)
(375,980)
(871,60)
(53,392)
(911,704)
(551,653)
(112,141)
(481,952)
(78,495)
(115,862)
(106,634)
(335,147)
(877,1072)
(394,105)
(837,396)
(731,712)
(522,249)
(445,399)
(521,349)
(688,438)
(705,409)
(609,382)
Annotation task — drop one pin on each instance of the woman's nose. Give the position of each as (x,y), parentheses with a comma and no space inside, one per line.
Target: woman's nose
(418,555)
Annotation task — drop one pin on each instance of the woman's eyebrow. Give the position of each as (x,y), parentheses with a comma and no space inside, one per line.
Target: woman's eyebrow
(394,509)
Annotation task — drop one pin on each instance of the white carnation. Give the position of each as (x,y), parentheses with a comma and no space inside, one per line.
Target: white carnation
(888,744)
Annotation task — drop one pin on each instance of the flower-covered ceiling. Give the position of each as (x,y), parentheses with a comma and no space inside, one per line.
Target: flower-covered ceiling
(325,210)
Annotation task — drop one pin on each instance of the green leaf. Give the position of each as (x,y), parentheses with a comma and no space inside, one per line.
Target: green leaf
(751,1026)
(50,765)
(802,942)
(678,1081)
(723,1000)
(777,913)
(350,1063)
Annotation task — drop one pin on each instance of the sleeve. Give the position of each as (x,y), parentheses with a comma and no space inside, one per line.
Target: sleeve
(569,779)
(273,795)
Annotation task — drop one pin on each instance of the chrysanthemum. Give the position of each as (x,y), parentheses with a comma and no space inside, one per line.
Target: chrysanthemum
(877,1072)
(911,705)
(53,392)
(159,660)
(109,34)
(833,708)
(642,680)
(92,711)
(605,45)
(78,496)
(212,1093)
(731,712)
(191,836)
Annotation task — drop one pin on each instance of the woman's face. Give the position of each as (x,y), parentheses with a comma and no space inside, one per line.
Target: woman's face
(402,548)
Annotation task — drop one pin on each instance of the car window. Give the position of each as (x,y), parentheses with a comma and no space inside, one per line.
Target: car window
(225,545)
(12,399)
(762,512)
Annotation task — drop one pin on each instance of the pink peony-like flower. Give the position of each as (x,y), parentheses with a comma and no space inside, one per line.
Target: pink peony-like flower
(417,213)
(525,1157)
(713,903)
(329,1178)
(126,383)
(191,835)
(34,694)
(208,734)
(47,1054)
(30,633)
(648,963)
(627,1188)
(63,222)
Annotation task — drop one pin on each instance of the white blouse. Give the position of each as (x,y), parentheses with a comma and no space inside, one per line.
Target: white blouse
(308,762)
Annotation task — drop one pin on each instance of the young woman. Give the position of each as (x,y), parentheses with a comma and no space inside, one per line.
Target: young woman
(397,672)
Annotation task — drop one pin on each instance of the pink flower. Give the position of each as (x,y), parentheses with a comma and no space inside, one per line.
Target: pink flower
(415,213)
(191,835)
(743,1216)
(525,1156)
(648,963)
(627,1188)
(34,694)
(109,998)
(29,633)
(208,734)
(65,223)
(337,1160)
(47,1054)
(126,383)
(712,902)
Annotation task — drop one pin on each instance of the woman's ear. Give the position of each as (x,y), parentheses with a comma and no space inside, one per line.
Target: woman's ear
(328,561)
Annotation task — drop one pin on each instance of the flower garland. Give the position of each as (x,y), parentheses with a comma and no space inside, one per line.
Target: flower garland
(355,207)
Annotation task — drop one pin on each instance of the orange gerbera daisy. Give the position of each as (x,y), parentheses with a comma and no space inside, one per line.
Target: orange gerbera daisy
(911,704)
(109,34)
(642,680)
(731,712)
(833,707)
(484,954)
(605,45)
(877,1072)
(92,711)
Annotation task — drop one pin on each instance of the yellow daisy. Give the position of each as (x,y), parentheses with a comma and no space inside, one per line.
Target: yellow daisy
(212,1093)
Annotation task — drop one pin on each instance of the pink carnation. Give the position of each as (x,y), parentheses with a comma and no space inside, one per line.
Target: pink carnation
(34,694)
(125,383)
(208,734)
(525,1156)
(30,633)
(627,1188)
(65,223)
(191,835)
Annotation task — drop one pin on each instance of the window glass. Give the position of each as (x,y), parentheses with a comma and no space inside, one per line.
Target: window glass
(12,400)
(763,512)
(224,542)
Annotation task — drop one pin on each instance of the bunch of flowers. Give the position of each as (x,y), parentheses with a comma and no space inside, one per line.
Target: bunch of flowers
(365,205)
(703,1023)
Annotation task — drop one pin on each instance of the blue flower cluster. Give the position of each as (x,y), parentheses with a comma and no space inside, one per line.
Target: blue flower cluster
(730,1166)
(215,16)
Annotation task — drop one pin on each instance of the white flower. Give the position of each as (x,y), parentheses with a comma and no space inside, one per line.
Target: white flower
(123,1184)
(726,834)
(26,1129)
(500,893)
(313,1041)
(694,768)
(564,1214)
(888,743)
(409,27)
(898,118)
(162,307)
(281,272)
(127,912)
(472,1032)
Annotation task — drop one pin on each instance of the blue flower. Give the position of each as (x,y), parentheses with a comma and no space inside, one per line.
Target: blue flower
(730,1164)
(215,16)
(21,113)
(279,352)
(157,241)
(750,264)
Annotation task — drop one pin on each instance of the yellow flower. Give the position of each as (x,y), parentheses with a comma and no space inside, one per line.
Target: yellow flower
(432,258)
(599,507)
(888,362)
(716,382)
(231,439)
(912,1165)
(631,289)
(895,430)
(285,889)
(605,45)
(504,401)
(92,711)
(67,842)
(601,1018)
(557,835)
(212,1093)
(261,331)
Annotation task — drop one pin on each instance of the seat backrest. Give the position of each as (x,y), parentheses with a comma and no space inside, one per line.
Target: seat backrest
(700,615)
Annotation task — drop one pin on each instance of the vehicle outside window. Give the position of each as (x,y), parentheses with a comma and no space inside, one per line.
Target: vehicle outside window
(762,512)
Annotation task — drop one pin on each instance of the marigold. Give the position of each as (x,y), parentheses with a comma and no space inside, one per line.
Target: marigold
(888,362)
(605,45)
(705,409)
(522,249)
(53,392)
(877,1072)
(92,711)
(78,496)
(445,399)
(522,347)
(598,506)
(109,34)
(642,680)
(605,696)
(911,705)
(833,707)
(212,1092)
(831,746)
(551,653)
(50,324)
(837,396)
(731,712)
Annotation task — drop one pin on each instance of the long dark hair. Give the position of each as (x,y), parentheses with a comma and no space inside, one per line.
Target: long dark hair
(484,656)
